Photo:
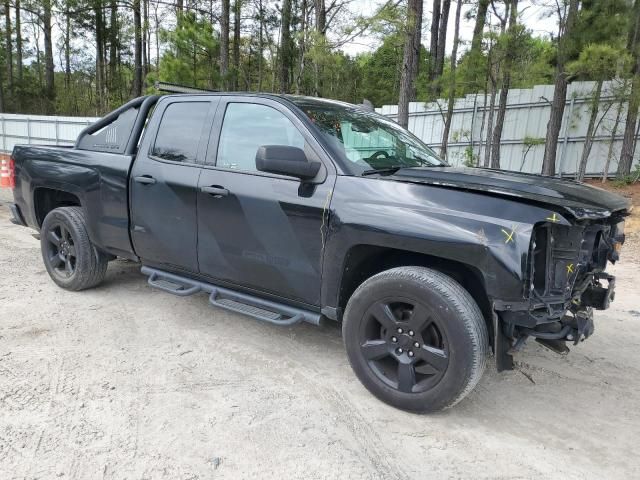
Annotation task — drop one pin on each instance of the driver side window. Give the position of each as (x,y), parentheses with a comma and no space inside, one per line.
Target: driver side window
(248,126)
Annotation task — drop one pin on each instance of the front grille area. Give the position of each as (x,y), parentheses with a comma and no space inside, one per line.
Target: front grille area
(564,257)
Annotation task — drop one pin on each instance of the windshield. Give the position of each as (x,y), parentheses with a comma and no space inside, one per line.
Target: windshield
(369,141)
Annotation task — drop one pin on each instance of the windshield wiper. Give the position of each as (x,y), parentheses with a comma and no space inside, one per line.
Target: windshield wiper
(389,170)
(427,163)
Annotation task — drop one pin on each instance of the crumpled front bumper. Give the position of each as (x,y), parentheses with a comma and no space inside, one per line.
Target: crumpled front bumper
(598,296)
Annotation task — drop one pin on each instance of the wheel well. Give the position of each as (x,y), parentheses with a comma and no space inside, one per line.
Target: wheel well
(47,199)
(364,261)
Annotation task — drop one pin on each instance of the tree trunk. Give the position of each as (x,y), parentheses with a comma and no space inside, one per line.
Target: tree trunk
(148,20)
(237,5)
(260,43)
(482,124)
(9,46)
(224,45)
(36,36)
(588,141)
(440,52)
(506,83)
(179,8)
(478,28)
(321,32)
(442,36)
(417,43)
(114,30)
(18,42)
(302,46)
(145,29)
(285,46)
(452,85)
(67,51)
(137,49)
(48,54)
(157,38)
(614,131)
(409,60)
(629,139)
(492,106)
(99,22)
(433,48)
(559,93)
(475,53)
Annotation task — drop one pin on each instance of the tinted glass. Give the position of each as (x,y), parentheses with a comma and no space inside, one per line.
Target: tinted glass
(246,127)
(179,131)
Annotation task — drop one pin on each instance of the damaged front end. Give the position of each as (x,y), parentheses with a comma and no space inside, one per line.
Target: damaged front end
(565,281)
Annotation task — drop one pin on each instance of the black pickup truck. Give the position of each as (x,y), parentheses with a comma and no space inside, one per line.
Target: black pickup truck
(293,209)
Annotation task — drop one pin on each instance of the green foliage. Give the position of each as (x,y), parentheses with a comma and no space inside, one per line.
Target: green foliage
(599,22)
(600,62)
(190,53)
(529,142)
(470,158)
(190,58)
(381,71)
(532,65)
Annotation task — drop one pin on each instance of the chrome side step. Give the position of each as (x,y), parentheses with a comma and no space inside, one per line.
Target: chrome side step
(256,307)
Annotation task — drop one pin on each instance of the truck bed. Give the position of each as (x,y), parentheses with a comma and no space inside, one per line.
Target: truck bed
(98,180)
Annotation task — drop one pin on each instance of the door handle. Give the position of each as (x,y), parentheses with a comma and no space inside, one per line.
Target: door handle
(216,190)
(145,180)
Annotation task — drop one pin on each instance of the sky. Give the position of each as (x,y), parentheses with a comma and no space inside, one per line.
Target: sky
(532,13)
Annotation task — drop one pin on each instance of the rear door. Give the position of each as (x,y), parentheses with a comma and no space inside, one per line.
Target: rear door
(261,231)
(164,181)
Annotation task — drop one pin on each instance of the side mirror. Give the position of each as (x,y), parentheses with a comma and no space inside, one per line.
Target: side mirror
(285,160)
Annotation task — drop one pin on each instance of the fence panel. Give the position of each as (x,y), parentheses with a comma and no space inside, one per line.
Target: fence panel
(523,134)
(525,125)
(39,130)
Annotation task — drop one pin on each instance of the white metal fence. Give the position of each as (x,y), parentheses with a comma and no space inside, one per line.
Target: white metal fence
(522,144)
(525,127)
(39,130)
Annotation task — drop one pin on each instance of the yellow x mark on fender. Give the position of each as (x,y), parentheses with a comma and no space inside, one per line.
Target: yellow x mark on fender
(509,235)
(554,218)
(569,268)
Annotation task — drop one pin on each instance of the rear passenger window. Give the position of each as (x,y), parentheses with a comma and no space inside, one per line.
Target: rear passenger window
(179,131)
(248,126)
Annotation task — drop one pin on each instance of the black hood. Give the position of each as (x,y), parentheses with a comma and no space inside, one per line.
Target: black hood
(579,199)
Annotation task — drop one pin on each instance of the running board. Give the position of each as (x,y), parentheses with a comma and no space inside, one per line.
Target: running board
(258,308)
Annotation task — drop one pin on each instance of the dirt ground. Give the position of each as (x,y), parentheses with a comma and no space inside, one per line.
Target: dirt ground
(632,191)
(127,382)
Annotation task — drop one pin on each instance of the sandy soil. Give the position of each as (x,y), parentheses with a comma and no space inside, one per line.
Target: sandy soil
(127,382)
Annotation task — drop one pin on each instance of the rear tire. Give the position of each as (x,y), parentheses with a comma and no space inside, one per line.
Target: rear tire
(415,338)
(71,260)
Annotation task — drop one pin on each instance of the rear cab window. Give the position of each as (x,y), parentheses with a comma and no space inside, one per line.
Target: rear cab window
(179,132)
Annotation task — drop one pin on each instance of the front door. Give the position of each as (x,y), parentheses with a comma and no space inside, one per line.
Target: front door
(164,181)
(256,230)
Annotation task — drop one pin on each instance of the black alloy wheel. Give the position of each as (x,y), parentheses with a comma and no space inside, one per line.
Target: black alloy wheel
(72,260)
(61,250)
(415,338)
(404,345)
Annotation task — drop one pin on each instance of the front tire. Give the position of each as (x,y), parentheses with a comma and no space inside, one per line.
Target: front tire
(415,338)
(71,260)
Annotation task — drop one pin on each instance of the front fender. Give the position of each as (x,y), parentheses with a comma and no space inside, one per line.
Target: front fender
(492,234)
